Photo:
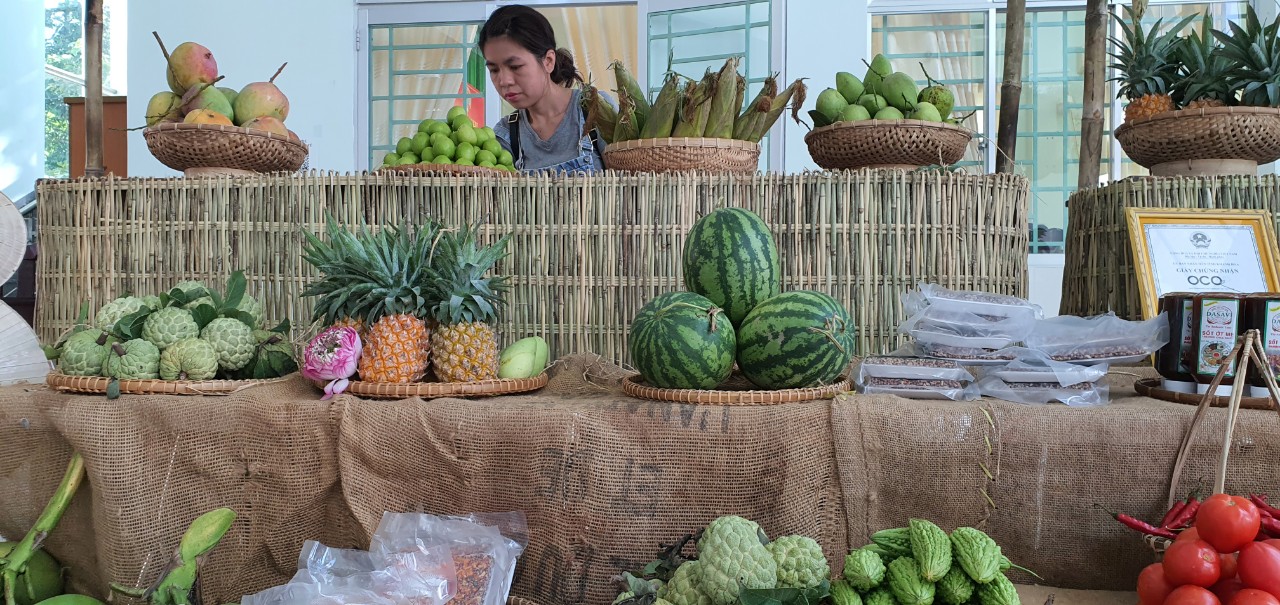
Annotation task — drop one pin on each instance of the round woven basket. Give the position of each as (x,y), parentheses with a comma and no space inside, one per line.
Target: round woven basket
(189,147)
(444,169)
(737,390)
(432,390)
(98,384)
(1150,387)
(887,144)
(677,154)
(1213,140)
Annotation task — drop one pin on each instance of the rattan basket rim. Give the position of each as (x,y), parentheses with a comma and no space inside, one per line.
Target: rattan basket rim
(1150,387)
(688,142)
(1199,112)
(876,124)
(432,390)
(97,384)
(444,169)
(634,386)
(234,130)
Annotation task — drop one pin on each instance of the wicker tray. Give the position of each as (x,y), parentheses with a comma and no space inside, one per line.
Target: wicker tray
(229,149)
(1150,387)
(678,154)
(1235,139)
(443,169)
(97,384)
(432,390)
(887,144)
(737,390)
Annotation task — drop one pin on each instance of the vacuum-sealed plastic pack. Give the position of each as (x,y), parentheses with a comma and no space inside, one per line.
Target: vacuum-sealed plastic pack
(1079,394)
(484,559)
(1030,365)
(915,368)
(1098,339)
(954,390)
(964,301)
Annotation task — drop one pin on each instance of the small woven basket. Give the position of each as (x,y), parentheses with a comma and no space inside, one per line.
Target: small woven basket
(432,390)
(230,149)
(444,169)
(736,390)
(887,144)
(98,385)
(677,154)
(1212,140)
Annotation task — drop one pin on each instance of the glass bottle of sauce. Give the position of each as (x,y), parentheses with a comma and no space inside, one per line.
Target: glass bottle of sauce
(1216,324)
(1173,360)
(1262,313)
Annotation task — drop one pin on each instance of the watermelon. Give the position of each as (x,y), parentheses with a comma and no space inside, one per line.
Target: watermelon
(730,258)
(795,340)
(680,340)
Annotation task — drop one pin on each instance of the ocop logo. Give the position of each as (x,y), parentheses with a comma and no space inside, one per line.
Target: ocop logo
(1219,316)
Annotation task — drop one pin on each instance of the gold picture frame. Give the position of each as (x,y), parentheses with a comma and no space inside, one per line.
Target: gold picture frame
(1206,266)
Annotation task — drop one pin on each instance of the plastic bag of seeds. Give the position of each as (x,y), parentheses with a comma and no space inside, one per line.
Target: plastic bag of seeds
(315,594)
(915,368)
(1035,366)
(965,301)
(1077,395)
(938,325)
(484,560)
(965,356)
(1098,339)
(954,390)
(422,577)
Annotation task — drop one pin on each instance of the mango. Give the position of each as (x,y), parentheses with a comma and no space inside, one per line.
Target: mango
(229,93)
(268,124)
(164,107)
(899,90)
(293,135)
(872,102)
(876,71)
(41,580)
(888,113)
(209,98)
(850,86)
(938,96)
(854,113)
(525,358)
(261,99)
(925,111)
(206,116)
(71,599)
(191,64)
(830,103)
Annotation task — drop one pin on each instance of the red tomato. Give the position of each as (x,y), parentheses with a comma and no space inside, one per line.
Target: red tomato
(1225,589)
(1272,541)
(1253,596)
(1192,562)
(1152,585)
(1228,563)
(1191,533)
(1191,595)
(1228,522)
(1260,567)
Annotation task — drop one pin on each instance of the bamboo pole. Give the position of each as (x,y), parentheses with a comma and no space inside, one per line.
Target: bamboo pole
(1095,88)
(93,88)
(1011,86)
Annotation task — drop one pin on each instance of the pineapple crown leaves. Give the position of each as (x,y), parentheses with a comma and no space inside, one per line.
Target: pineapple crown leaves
(1146,62)
(458,279)
(1254,51)
(1203,68)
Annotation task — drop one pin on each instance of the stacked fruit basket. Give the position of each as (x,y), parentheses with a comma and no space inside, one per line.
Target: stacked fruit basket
(1200,104)
(456,144)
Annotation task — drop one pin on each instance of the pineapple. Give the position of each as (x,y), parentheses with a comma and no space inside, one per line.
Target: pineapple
(376,281)
(1254,56)
(1203,82)
(464,341)
(1146,66)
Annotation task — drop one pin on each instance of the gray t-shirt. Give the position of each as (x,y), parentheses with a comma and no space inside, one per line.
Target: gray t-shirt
(565,143)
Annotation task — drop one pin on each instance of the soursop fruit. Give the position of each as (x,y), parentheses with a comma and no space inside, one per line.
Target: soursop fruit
(84,353)
(136,359)
(152,301)
(683,587)
(189,359)
(801,563)
(233,340)
(115,310)
(734,557)
(169,325)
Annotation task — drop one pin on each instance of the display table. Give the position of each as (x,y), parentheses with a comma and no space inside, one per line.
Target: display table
(603,478)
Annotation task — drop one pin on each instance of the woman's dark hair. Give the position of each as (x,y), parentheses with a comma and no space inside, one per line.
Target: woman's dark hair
(532,31)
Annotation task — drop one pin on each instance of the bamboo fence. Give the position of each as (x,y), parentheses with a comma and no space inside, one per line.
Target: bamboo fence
(586,251)
(1099,274)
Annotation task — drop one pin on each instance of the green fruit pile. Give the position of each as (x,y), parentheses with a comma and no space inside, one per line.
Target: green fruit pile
(883,94)
(457,141)
(191,332)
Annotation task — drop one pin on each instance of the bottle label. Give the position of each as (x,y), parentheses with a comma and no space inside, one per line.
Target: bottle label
(1188,339)
(1219,319)
(1271,336)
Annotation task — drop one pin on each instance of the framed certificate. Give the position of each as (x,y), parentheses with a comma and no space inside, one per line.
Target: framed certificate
(1201,250)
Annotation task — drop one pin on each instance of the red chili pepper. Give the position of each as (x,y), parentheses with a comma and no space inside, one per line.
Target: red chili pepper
(1140,525)
(1187,516)
(1260,501)
(1172,514)
(1270,526)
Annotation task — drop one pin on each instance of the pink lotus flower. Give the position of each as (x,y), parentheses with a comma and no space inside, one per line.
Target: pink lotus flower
(332,356)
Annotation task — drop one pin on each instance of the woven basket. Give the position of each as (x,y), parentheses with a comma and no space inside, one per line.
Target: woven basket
(444,169)
(98,384)
(432,390)
(1213,140)
(887,144)
(1150,387)
(213,146)
(677,154)
(737,390)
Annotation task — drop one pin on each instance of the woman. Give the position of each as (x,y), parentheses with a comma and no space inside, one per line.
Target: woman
(545,133)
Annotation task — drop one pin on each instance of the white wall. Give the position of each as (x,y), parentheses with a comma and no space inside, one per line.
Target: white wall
(819,44)
(249,40)
(21,96)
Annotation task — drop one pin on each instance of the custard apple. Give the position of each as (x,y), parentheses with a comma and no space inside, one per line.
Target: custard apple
(115,310)
(189,359)
(683,587)
(733,557)
(168,326)
(233,340)
(801,563)
(189,286)
(152,301)
(203,300)
(136,359)
(82,355)
(254,308)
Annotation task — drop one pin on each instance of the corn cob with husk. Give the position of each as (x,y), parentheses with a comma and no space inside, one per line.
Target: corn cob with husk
(753,116)
(662,114)
(722,113)
(601,115)
(629,86)
(626,128)
(793,96)
(697,107)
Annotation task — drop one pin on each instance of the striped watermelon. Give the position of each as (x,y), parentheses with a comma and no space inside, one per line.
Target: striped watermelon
(679,340)
(795,340)
(730,258)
